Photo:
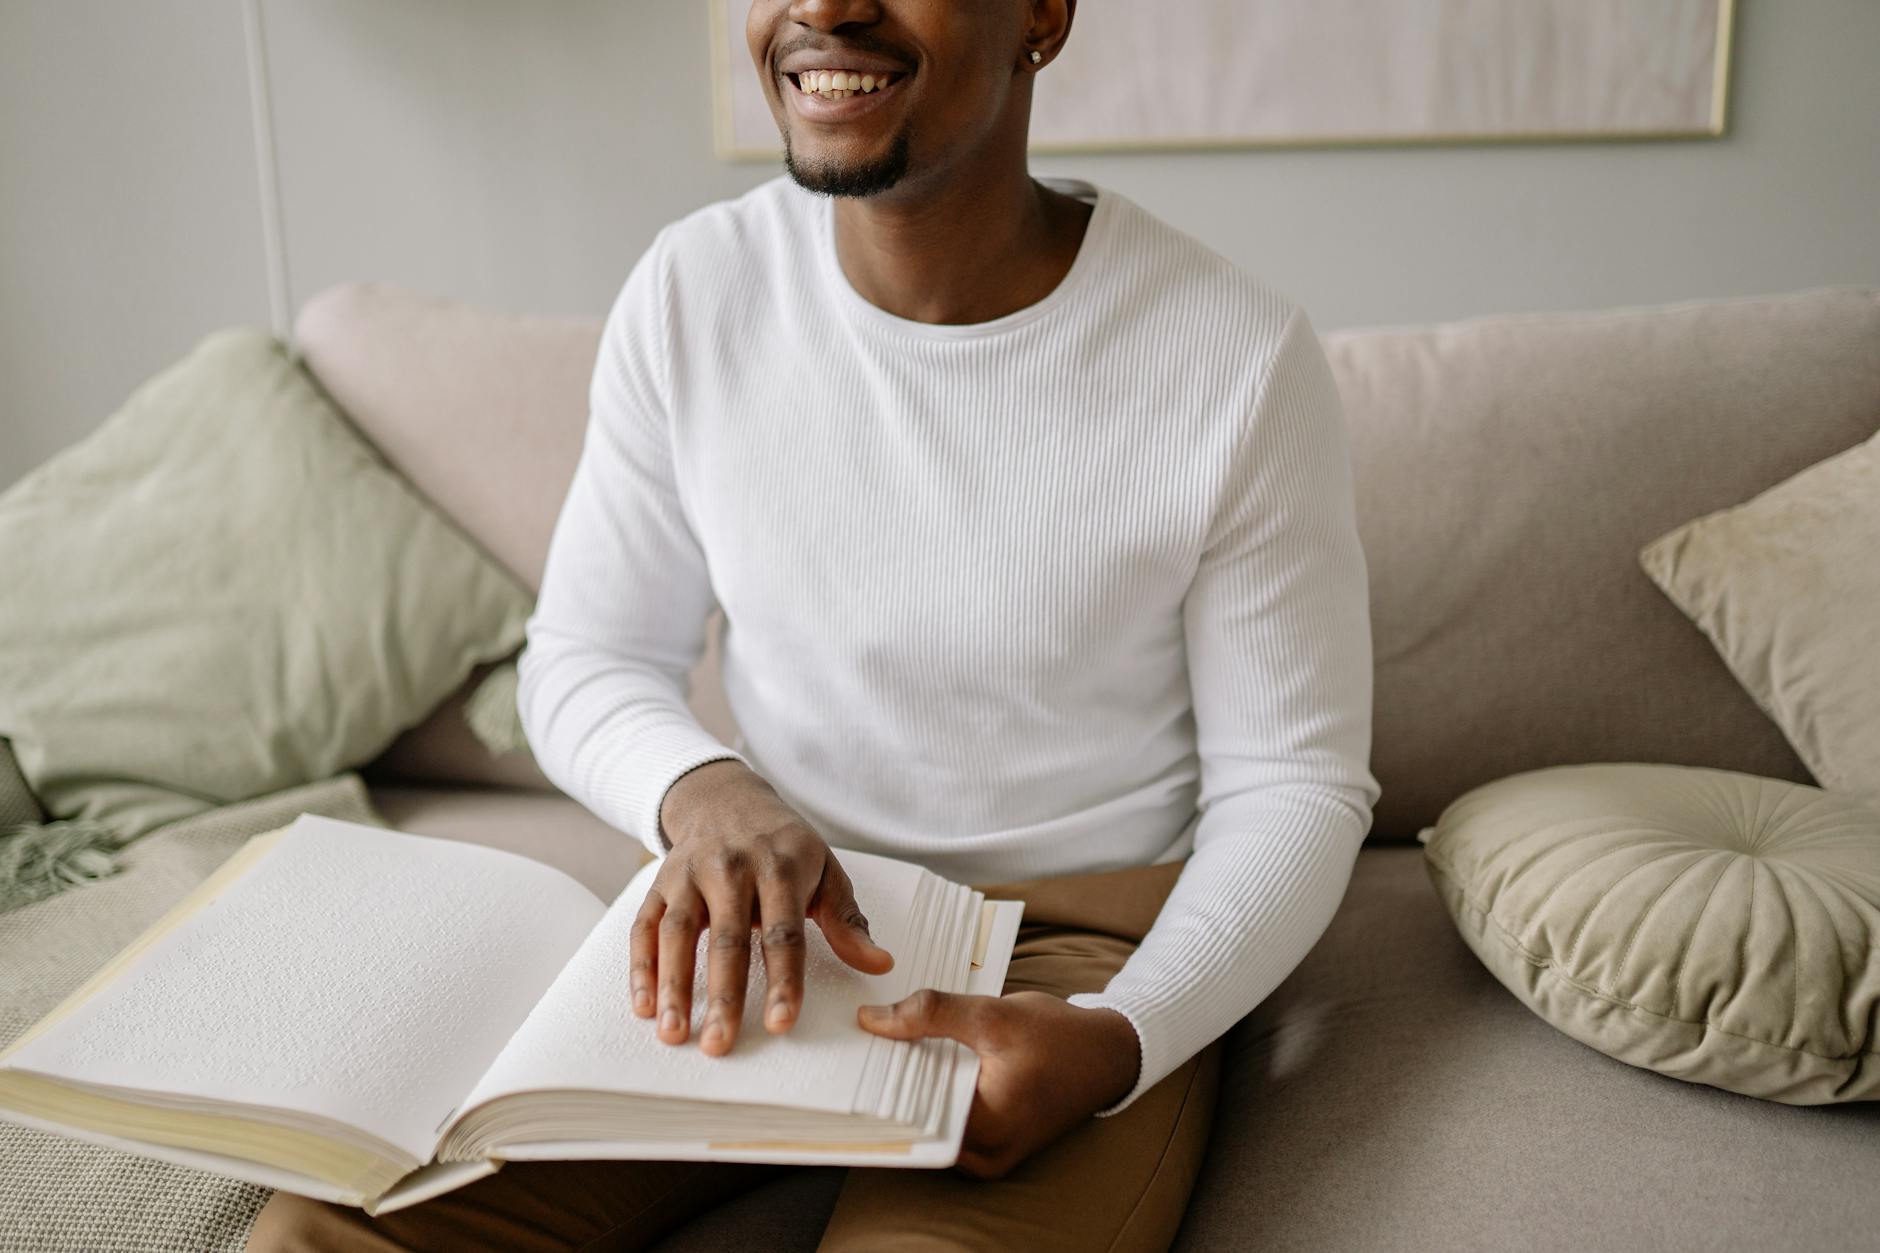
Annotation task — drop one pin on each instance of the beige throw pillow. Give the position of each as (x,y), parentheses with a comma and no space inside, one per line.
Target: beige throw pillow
(1710,925)
(1787,586)
(225,592)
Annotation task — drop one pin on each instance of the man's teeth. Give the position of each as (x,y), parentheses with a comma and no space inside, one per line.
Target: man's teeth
(840,84)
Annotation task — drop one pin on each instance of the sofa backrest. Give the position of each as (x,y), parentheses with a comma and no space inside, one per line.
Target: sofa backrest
(1508,469)
(484,413)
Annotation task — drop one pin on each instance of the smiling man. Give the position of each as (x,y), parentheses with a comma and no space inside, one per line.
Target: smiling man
(1031,520)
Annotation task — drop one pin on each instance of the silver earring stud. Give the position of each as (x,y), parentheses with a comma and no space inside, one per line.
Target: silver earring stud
(1036,56)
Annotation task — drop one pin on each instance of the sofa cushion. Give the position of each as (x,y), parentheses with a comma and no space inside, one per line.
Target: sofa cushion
(484,413)
(547,826)
(1391,1095)
(222,592)
(443,751)
(1786,585)
(1508,470)
(1710,925)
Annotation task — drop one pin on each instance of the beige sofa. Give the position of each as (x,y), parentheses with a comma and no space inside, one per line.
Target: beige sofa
(1390,1095)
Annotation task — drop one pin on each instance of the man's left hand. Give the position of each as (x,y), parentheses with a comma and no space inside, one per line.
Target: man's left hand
(1045,1065)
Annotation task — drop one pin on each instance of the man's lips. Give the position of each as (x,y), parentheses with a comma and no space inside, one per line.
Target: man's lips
(798,60)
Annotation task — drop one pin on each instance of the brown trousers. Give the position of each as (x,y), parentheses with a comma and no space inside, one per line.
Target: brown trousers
(1118,1183)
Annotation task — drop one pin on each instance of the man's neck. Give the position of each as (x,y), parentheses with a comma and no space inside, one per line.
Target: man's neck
(968,251)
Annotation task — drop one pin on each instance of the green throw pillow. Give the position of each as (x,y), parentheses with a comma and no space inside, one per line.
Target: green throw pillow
(492,714)
(1710,925)
(225,592)
(18,805)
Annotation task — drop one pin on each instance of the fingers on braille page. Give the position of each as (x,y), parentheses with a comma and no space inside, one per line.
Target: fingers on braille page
(780,915)
(728,964)
(643,954)
(679,929)
(844,925)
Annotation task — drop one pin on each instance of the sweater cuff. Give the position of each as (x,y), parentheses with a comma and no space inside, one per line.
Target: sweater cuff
(670,769)
(1145,1077)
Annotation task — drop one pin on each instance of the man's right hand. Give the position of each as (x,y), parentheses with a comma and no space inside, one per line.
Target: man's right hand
(740,859)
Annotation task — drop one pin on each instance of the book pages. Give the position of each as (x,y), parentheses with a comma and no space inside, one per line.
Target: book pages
(939,1146)
(354,975)
(584,1035)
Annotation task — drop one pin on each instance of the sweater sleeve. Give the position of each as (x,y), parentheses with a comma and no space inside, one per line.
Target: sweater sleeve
(1278,634)
(626,593)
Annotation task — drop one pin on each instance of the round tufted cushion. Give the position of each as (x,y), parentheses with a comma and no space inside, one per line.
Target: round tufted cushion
(1710,925)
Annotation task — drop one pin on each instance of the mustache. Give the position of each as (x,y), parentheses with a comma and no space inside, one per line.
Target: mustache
(861,41)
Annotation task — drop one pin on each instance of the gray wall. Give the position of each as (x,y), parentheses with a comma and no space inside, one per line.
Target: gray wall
(522,153)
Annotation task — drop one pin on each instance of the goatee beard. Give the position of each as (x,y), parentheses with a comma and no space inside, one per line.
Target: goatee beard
(862,179)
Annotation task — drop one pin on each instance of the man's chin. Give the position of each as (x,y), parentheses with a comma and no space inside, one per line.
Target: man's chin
(828,176)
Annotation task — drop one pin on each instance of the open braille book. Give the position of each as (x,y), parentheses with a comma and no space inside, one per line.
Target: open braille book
(375,1018)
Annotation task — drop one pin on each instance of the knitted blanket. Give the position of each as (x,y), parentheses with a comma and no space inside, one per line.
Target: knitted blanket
(63,1196)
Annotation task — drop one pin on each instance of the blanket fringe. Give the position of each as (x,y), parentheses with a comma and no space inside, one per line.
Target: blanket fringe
(38,860)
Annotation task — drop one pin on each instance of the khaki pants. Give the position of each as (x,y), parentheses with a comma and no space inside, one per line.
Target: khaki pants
(1117,1183)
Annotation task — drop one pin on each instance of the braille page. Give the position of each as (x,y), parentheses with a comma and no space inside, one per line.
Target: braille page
(939,1147)
(584,1035)
(354,974)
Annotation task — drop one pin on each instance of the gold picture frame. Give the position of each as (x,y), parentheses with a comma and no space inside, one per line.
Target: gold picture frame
(729,146)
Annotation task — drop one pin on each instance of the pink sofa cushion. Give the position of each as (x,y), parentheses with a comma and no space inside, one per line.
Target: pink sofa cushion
(483,412)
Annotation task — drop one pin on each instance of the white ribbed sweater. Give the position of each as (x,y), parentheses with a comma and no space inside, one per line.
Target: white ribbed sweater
(1074,589)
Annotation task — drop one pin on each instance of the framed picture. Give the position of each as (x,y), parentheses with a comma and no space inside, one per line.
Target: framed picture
(1320,73)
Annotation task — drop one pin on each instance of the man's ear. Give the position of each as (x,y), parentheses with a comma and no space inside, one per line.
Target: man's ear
(1050,26)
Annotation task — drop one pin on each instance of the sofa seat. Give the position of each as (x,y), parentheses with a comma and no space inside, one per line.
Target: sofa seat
(547,826)
(1392,1095)
(1389,1095)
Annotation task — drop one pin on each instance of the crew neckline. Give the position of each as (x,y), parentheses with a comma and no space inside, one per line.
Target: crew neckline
(1096,237)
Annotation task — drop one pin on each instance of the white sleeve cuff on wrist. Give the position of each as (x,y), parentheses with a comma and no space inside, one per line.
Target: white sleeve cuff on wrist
(652,834)
(1097,1000)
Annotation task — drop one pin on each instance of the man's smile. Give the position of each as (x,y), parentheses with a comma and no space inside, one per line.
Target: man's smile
(838,104)
(836,86)
(839,84)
